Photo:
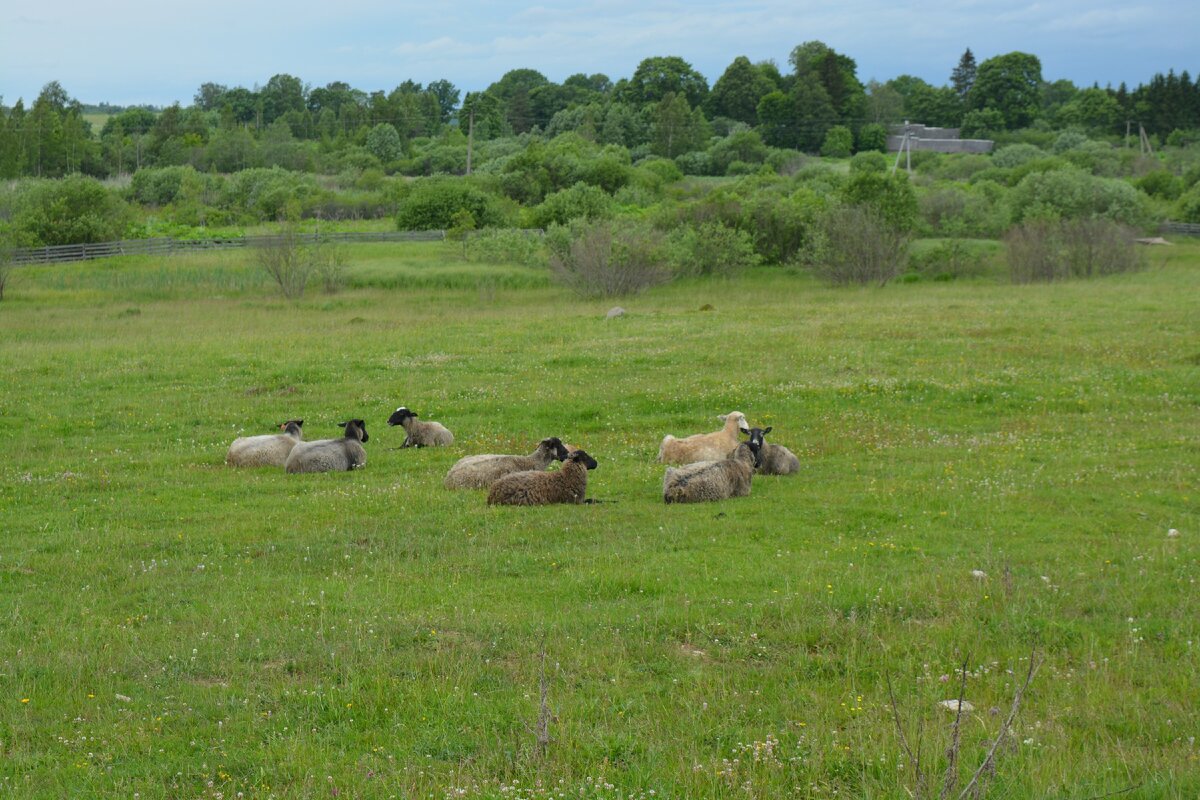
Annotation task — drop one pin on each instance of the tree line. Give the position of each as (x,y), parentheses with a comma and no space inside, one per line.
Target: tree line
(666,108)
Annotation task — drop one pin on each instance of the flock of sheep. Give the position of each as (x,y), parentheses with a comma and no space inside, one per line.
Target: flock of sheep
(713,466)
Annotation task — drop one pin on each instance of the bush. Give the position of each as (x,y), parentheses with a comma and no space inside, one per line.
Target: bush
(869,161)
(891,196)
(1188,209)
(1014,155)
(608,258)
(1069,140)
(857,244)
(839,142)
(1161,184)
(779,225)
(872,137)
(383,142)
(287,261)
(581,201)
(964,211)
(71,210)
(665,169)
(432,203)
(710,249)
(1048,250)
(505,246)
(948,260)
(1074,194)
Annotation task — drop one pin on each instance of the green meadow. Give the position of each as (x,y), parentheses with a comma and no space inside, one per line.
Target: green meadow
(173,627)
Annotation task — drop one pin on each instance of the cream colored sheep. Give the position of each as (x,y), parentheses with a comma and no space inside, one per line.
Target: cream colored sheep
(269,450)
(705,446)
(480,472)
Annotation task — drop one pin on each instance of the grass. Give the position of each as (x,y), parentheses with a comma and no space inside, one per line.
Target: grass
(175,628)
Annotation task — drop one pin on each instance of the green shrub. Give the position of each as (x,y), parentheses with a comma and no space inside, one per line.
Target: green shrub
(432,203)
(868,161)
(1074,194)
(664,168)
(872,137)
(891,196)
(1069,140)
(1160,184)
(1188,208)
(71,210)
(580,201)
(839,142)
(948,260)
(710,249)
(506,246)
(1014,155)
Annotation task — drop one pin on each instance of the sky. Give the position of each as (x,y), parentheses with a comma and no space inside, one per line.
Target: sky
(160,51)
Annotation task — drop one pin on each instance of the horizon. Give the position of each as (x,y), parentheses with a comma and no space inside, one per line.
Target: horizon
(63,40)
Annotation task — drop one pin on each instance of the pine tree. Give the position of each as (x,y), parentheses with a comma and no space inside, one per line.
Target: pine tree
(963,76)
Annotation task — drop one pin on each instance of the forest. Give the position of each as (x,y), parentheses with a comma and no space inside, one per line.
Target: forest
(791,140)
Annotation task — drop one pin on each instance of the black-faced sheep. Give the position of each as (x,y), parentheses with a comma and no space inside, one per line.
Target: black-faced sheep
(480,472)
(712,480)
(565,485)
(776,459)
(331,455)
(420,434)
(705,446)
(268,450)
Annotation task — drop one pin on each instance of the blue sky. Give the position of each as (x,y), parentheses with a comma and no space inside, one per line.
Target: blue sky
(160,51)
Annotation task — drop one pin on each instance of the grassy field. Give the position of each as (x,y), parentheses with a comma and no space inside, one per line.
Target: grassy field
(175,628)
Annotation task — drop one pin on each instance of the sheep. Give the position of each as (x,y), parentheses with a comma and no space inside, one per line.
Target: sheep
(776,459)
(704,446)
(712,480)
(269,450)
(534,488)
(420,434)
(331,455)
(480,472)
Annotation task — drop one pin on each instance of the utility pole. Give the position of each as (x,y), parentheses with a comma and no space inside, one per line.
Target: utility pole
(1145,141)
(470,136)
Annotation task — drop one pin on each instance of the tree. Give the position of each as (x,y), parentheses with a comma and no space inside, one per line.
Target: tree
(836,73)
(677,127)
(778,121)
(839,142)
(1094,109)
(737,92)
(283,93)
(447,95)
(963,76)
(883,104)
(1011,84)
(657,77)
(384,143)
(209,96)
(513,90)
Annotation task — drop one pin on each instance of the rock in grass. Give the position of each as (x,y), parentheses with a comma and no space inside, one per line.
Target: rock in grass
(978,574)
(953,706)
(1172,534)
(614,312)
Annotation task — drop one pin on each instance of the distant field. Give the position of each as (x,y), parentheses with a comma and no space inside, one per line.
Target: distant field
(97,121)
(176,628)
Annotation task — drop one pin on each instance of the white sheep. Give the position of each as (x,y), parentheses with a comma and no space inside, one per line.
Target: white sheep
(481,471)
(420,434)
(565,485)
(775,458)
(268,450)
(704,446)
(712,480)
(331,455)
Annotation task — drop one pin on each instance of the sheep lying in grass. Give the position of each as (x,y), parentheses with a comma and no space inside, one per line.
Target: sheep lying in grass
(269,450)
(480,472)
(712,480)
(704,446)
(331,455)
(566,485)
(776,459)
(420,434)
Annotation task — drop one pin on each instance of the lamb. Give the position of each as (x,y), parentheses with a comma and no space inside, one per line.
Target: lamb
(420,434)
(776,459)
(331,455)
(712,480)
(566,485)
(269,450)
(704,446)
(480,472)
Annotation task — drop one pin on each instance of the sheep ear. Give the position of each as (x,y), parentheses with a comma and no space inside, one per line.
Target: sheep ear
(343,424)
(722,417)
(767,430)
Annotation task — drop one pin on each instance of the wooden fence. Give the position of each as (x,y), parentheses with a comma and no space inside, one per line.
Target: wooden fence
(1180,228)
(168,246)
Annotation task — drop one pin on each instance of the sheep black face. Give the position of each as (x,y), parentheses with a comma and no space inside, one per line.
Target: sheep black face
(297,423)
(399,415)
(356,429)
(560,451)
(755,443)
(582,457)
